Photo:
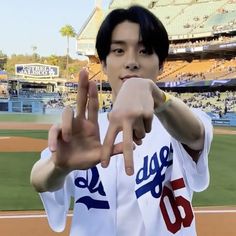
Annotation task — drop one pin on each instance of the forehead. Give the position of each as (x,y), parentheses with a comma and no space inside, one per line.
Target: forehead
(126,31)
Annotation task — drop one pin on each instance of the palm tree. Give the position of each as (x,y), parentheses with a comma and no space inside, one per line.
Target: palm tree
(34,49)
(69,32)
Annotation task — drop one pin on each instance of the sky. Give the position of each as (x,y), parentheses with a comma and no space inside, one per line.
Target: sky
(36,23)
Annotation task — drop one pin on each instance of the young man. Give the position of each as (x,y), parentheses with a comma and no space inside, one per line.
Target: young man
(140,178)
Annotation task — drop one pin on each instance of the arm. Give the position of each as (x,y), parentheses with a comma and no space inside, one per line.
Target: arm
(74,144)
(45,176)
(133,115)
(179,121)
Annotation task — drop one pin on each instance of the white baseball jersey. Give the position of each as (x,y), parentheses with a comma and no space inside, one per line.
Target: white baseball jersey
(155,201)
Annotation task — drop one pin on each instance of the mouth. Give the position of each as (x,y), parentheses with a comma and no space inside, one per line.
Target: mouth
(129,77)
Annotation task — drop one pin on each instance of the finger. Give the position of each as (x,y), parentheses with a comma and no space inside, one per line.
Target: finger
(139,130)
(138,141)
(118,148)
(53,135)
(148,124)
(128,148)
(108,146)
(93,104)
(82,94)
(67,121)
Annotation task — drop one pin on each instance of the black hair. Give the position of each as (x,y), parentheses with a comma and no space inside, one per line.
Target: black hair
(152,31)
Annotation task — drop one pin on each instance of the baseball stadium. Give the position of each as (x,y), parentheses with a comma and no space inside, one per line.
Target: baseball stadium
(200,70)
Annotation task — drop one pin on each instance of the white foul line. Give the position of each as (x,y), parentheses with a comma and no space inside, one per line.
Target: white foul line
(25,216)
(214,211)
(69,215)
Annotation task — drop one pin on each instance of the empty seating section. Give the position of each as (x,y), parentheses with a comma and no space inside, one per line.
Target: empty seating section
(140,2)
(197,67)
(167,13)
(193,16)
(183,70)
(202,1)
(182,1)
(118,3)
(219,20)
(170,69)
(126,3)
(230,7)
(163,2)
(198,70)
(183,17)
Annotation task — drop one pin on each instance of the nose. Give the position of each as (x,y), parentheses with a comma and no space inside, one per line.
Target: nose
(131,62)
(132,66)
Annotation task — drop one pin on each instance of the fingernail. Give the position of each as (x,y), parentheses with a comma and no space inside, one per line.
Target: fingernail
(129,171)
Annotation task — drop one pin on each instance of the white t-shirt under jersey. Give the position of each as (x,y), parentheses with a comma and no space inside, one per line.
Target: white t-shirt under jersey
(155,201)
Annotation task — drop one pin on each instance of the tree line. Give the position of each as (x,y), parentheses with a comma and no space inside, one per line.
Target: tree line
(68,66)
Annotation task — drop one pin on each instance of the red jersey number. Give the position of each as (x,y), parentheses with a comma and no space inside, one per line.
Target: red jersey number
(175,203)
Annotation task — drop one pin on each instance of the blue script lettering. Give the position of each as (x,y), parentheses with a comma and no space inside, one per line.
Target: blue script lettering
(155,167)
(81,182)
(93,203)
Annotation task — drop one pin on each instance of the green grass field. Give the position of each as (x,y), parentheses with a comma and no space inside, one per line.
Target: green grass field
(17,194)
(222,163)
(16,191)
(41,134)
(21,117)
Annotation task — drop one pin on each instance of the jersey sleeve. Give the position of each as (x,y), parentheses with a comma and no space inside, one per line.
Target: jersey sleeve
(56,204)
(197,174)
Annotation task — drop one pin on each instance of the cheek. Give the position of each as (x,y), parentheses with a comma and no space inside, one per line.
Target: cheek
(112,69)
(153,72)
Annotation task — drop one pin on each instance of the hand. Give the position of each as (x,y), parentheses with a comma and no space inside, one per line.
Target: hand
(75,143)
(132,113)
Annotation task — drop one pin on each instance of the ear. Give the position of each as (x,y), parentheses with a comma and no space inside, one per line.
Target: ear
(104,67)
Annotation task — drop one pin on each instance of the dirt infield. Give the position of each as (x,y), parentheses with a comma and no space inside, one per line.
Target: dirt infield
(210,221)
(21,144)
(39,126)
(24,126)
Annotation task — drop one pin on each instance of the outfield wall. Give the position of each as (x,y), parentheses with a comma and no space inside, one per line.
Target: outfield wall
(228,119)
(21,106)
(36,106)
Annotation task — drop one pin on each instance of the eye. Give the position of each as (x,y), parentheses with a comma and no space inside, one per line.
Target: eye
(146,51)
(117,51)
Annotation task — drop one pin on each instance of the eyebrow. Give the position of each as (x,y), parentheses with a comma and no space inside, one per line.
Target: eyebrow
(123,42)
(117,42)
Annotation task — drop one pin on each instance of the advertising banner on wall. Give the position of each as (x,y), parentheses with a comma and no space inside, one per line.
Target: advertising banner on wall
(37,70)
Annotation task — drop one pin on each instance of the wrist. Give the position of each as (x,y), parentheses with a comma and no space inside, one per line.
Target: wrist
(58,170)
(167,98)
